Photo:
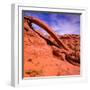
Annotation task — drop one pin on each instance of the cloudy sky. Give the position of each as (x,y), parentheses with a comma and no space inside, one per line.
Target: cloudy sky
(62,23)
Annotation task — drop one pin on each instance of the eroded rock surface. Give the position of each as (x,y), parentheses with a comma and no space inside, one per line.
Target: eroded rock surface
(42,56)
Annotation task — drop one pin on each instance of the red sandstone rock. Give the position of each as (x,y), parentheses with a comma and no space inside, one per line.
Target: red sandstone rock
(42,57)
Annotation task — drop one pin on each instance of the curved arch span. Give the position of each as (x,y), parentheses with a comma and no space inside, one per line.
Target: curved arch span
(47,29)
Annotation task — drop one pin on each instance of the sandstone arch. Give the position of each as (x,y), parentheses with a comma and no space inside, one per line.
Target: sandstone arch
(47,29)
(67,51)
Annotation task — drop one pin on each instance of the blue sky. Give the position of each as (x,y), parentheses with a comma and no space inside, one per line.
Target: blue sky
(62,23)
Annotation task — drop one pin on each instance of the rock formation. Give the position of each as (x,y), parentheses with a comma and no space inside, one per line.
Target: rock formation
(47,29)
(54,55)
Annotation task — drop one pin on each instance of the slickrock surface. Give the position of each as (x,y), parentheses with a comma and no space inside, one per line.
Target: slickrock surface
(42,56)
(44,59)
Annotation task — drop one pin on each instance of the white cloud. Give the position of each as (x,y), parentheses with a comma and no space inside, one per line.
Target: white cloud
(63,26)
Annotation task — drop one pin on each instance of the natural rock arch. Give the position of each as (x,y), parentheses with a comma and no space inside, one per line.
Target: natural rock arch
(47,29)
